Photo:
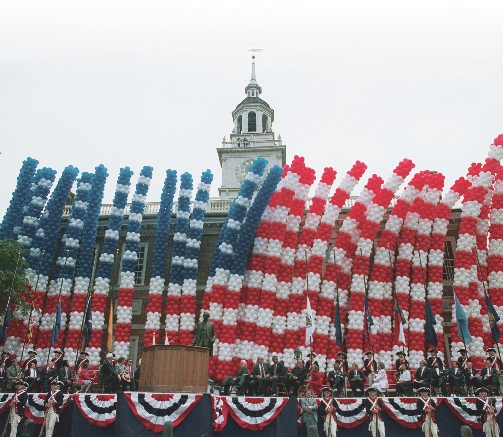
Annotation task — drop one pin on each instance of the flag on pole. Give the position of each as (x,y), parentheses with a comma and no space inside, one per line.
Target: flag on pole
(399,323)
(5,324)
(166,340)
(110,330)
(462,321)
(29,331)
(89,322)
(494,318)
(309,323)
(337,324)
(57,324)
(429,329)
(368,323)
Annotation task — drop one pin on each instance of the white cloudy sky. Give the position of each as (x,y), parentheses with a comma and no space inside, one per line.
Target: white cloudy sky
(154,83)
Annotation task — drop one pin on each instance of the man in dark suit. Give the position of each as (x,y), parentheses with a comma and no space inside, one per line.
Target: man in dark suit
(277,371)
(472,378)
(32,377)
(456,378)
(296,378)
(438,378)
(239,381)
(205,333)
(490,377)
(259,379)
(356,380)
(422,377)
(336,379)
(108,374)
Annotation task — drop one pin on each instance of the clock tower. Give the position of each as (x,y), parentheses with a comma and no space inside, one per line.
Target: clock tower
(252,137)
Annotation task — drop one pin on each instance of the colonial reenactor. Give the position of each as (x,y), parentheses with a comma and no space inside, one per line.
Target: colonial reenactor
(18,402)
(490,376)
(277,371)
(343,362)
(336,379)
(422,377)
(238,381)
(83,357)
(328,413)
(433,358)
(376,424)
(310,361)
(426,408)
(260,377)
(463,359)
(369,367)
(486,408)
(400,360)
(498,365)
(6,360)
(52,404)
(31,359)
(57,361)
(205,333)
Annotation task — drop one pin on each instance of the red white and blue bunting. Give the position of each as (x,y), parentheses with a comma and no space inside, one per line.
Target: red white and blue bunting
(350,412)
(35,406)
(220,411)
(253,413)
(155,409)
(98,409)
(466,411)
(403,410)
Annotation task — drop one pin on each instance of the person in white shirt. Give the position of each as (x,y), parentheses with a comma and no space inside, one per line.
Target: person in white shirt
(381,379)
(404,384)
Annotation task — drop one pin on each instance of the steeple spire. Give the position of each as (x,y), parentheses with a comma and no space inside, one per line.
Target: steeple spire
(253,89)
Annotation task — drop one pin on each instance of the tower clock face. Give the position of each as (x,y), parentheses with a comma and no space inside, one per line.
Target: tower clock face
(243,169)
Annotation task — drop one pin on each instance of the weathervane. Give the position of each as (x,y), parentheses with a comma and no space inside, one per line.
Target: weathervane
(255,50)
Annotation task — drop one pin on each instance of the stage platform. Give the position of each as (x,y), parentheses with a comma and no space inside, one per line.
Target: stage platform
(137,414)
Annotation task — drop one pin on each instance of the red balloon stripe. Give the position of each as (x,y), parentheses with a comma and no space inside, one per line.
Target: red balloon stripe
(154,311)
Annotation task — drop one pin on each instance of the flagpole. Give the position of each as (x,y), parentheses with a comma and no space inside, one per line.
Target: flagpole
(486,296)
(365,286)
(393,294)
(59,299)
(338,307)
(307,291)
(32,306)
(11,289)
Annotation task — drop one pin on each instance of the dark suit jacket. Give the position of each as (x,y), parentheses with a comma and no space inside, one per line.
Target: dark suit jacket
(28,371)
(21,402)
(107,370)
(210,333)
(420,409)
(423,374)
(278,369)
(431,361)
(27,363)
(242,371)
(352,374)
(256,370)
(300,373)
(366,366)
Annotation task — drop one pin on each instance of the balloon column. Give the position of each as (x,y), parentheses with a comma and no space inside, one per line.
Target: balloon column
(83,273)
(154,306)
(191,260)
(129,263)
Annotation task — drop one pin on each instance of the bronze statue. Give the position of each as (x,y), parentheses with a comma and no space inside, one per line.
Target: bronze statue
(205,333)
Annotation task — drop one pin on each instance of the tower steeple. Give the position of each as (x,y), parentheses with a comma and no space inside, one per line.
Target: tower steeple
(253,88)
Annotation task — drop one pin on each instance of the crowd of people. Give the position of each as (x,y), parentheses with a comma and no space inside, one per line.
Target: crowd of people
(458,379)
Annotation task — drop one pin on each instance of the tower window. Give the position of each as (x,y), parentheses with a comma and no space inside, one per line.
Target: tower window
(240,124)
(264,123)
(252,122)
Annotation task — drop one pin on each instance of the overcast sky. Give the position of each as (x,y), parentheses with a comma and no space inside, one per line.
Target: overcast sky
(151,83)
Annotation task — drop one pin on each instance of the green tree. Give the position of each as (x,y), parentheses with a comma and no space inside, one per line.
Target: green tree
(13,280)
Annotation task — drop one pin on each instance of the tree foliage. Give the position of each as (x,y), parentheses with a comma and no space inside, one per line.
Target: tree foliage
(13,280)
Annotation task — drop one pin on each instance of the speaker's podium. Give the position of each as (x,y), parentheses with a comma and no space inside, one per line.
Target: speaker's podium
(174,369)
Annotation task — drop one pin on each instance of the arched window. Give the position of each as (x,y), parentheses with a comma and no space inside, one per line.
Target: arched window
(240,124)
(264,123)
(252,121)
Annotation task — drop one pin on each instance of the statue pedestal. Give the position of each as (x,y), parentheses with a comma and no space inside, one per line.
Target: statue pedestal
(174,369)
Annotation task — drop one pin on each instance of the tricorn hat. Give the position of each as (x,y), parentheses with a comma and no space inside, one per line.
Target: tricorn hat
(370,390)
(491,349)
(432,351)
(84,353)
(481,389)
(400,353)
(31,351)
(463,351)
(58,351)
(311,354)
(368,353)
(423,389)
(325,389)
(341,354)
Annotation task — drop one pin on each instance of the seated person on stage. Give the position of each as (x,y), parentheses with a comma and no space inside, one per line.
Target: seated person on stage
(336,379)
(438,378)
(404,382)
(400,360)
(310,361)
(456,378)
(381,379)
(490,377)
(259,379)
(32,377)
(422,377)
(239,381)
(85,378)
(120,369)
(65,377)
(108,374)
(464,359)
(356,380)
(370,367)
(315,381)
(14,375)
(296,377)
(434,359)
(472,378)
(277,371)
(343,362)
(3,377)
